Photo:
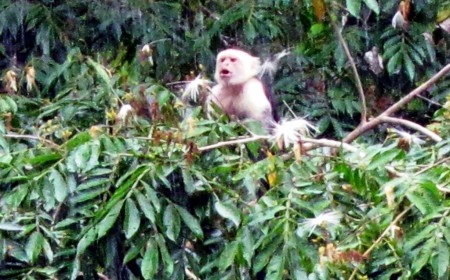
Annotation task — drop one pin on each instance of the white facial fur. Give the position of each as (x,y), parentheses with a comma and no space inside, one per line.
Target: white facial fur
(235,67)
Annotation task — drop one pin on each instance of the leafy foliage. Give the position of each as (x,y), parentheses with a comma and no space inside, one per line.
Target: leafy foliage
(86,191)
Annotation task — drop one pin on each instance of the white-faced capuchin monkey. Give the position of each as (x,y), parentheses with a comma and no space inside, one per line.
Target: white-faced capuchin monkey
(239,92)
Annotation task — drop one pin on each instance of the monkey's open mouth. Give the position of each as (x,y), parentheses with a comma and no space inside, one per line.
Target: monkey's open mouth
(225,73)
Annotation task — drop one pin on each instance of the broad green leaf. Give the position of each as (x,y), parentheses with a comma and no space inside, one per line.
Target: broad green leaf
(188,181)
(228,255)
(266,214)
(420,202)
(47,250)
(86,240)
(263,258)
(77,140)
(132,218)
(93,183)
(109,220)
(59,185)
(10,227)
(275,267)
(383,158)
(152,196)
(191,222)
(421,259)
(443,259)
(166,257)
(353,6)
(171,221)
(34,246)
(145,206)
(150,262)
(133,252)
(228,211)
(409,65)
(394,63)
(373,5)
(42,159)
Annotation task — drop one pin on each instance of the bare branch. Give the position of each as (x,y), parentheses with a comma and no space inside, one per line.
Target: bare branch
(363,127)
(234,142)
(32,137)
(412,125)
(395,107)
(329,143)
(362,98)
(313,143)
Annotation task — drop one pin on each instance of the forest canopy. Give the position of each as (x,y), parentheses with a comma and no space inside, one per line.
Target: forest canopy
(113,167)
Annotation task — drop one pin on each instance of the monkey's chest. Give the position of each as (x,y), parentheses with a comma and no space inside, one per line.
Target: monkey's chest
(237,105)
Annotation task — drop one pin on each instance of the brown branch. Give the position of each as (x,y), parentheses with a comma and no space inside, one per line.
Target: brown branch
(363,127)
(362,98)
(32,137)
(412,125)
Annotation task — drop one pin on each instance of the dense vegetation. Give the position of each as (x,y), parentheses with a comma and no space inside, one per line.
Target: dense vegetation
(88,192)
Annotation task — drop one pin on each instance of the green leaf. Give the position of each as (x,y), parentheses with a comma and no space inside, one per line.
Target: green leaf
(10,227)
(373,5)
(150,262)
(190,221)
(420,202)
(421,259)
(228,255)
(59,185)
(166,257)
(77,140)
(409,65)
(145,206)
(34,246)
(353,6)
(275,267)
(228,211)
(443,260)
(171,221)
(109,220)
(394,63)
(383,158)
(47,250)
(42,159)
(132,219)
(86,240)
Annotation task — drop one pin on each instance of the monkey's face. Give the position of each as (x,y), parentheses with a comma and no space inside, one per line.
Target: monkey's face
(235,67)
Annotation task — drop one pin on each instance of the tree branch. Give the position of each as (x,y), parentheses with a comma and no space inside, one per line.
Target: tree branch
(32,137)
(362,98)
(363,127)
(412,125)
(234,142)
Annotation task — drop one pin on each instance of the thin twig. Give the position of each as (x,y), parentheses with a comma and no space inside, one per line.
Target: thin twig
(330,143)
(362,98)
(380,238)
(412,125)
(234,142)
(32,137)
(429,100)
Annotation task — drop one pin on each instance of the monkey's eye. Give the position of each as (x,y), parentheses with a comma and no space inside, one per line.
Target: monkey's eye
(233,59)
(222,59)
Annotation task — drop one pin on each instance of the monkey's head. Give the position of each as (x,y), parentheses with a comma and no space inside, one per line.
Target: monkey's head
(235,67)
